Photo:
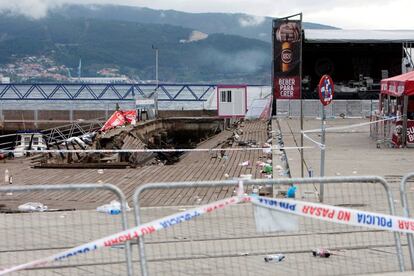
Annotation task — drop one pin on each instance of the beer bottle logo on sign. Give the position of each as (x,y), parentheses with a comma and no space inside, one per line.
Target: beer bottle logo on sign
(287,33)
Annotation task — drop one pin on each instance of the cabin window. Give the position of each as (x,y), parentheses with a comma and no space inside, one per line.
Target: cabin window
(26,140)
(225,96)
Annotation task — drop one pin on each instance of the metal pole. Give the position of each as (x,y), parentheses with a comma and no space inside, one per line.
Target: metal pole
(156,66)
(301,101)
(274,100)
(404,130)
(322,174)
(156,80)
(406,209)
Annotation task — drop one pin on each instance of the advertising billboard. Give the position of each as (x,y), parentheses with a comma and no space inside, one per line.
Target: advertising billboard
(287,43)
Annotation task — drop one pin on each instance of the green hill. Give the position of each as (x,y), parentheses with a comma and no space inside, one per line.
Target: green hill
(236,24)
(128,46)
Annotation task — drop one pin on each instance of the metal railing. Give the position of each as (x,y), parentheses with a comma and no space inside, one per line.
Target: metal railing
(75,129)
(104,92)
(339,108)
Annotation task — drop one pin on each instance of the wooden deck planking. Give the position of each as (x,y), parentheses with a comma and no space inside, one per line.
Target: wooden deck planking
(193,166)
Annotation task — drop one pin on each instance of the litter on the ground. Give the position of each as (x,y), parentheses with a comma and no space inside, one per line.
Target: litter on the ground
(246,176)
(291,192)
(245,163)
(32,207)
(113,208)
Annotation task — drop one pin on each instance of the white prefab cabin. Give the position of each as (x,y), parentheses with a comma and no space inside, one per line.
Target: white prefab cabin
(231,101)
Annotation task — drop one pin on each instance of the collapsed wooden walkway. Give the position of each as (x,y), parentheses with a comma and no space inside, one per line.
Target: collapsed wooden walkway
(193,166)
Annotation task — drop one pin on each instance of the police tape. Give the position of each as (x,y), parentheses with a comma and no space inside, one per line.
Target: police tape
(152,150)
(320,145)
(319,211)
(317,130)
(336,214)
(132,233)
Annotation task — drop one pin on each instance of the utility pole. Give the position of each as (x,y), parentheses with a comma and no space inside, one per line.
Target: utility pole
(80,69)
(156,78)
(156,65)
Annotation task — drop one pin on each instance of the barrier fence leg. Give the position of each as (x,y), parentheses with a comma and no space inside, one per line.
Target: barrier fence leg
(406,209)
(128,249)
(397,237)
(141,245)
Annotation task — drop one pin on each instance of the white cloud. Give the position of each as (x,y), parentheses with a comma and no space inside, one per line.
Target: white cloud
(366,14)
(251,20)
(30,8)
(388,15)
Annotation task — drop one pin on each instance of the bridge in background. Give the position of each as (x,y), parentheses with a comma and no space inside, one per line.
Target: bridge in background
(104,92)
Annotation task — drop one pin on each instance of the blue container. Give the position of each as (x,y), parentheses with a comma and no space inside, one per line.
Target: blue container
(291,192)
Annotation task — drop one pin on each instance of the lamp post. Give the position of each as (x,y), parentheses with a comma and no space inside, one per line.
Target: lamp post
(156,64)
(156,79)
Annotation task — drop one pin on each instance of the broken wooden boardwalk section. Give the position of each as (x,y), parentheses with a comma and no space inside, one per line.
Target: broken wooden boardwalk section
(193,166)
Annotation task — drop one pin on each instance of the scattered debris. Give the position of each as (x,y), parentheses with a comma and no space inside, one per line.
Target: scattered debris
(267,150)
(291,192)
(245,163)
(267,168)
(246,176)
(260,164)
(32,207)
(113,208)
(321,252)
(274,258)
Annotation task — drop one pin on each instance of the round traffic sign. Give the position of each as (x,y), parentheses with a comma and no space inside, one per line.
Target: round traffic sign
(326,89)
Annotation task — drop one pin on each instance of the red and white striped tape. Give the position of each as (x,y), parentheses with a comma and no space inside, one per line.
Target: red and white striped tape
(319,211)
(132,233)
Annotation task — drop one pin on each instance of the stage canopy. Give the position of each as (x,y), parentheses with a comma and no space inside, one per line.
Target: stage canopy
(399,85)
(358,36)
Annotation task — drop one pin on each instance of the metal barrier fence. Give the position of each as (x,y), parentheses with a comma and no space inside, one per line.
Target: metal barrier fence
(312,108)
(382,130)
(227,241)
(405,193)
(32,235)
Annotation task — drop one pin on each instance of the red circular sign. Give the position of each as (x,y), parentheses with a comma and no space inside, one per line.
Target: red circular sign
(326,90)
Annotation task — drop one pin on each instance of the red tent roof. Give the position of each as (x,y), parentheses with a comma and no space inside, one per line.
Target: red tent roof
(399,85)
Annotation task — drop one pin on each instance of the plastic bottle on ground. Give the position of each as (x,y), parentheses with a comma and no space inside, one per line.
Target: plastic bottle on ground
(6,176)
(274,258)
(114,212)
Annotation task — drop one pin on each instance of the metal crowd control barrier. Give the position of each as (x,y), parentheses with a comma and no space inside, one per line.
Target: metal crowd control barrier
(406,209)
(228,242)
(311,108)
(31,235)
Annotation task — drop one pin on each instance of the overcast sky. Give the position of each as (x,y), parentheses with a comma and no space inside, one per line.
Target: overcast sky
(347,14)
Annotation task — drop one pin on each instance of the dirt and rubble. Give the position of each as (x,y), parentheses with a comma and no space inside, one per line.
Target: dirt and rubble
(192,166)
(136,137)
